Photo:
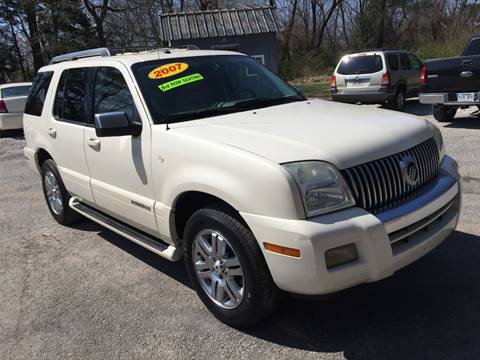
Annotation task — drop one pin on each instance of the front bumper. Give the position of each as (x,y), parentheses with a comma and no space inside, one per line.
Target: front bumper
(379,257)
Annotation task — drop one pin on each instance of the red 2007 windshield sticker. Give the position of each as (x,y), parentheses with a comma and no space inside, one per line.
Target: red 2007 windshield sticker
(167,70)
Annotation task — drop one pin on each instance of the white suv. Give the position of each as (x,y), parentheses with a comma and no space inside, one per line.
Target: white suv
(208,156)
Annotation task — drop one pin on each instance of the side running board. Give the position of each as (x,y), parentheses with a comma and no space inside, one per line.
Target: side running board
(139,237)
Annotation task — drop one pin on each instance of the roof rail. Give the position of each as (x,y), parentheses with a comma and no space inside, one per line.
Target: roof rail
(189,47)
(379,49)
(80,55)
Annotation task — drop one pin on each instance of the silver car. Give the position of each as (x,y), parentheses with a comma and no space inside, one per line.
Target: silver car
(377,77)
(12,103)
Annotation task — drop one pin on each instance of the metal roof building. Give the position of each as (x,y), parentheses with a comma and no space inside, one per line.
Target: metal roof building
(251,31)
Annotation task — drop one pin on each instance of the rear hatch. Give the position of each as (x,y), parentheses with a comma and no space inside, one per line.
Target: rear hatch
(15,98)
(459,74)
(360,72)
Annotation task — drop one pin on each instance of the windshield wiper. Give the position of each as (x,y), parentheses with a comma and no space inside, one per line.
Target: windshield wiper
(198,114)
(237,107)
(264,102)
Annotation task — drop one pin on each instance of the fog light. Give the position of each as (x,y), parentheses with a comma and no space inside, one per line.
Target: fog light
(341,255)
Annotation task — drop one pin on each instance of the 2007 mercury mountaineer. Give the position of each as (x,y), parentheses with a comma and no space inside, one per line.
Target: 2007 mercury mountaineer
(208,156)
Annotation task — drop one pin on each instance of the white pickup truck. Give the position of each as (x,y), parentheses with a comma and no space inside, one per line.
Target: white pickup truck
(210,157)
(12,103)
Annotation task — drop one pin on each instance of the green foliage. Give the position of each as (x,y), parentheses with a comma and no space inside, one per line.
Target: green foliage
(307,64)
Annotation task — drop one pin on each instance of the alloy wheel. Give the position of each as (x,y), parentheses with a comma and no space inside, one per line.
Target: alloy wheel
(218,269)
(54,194)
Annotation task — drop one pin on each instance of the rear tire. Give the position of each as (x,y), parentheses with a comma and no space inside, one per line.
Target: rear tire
(237,286)
(56,195)
(444,113)
(398,102)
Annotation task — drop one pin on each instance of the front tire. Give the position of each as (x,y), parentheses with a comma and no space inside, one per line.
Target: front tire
(56,195)
(444,113)
(227,268)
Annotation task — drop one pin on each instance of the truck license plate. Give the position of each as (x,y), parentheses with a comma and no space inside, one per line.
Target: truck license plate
(466,97)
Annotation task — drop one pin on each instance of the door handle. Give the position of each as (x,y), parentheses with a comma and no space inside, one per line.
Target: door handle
(93,143)
(52,132)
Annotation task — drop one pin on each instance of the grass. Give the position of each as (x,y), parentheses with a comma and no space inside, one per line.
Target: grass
(313,86)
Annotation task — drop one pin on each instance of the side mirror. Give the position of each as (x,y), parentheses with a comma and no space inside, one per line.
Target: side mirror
(116,124)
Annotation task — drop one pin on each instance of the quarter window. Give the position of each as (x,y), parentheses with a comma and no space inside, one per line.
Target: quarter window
(393,62)
(405,62)
(111,93)
(416,63)
(473,48)
(38,93)
(70,102)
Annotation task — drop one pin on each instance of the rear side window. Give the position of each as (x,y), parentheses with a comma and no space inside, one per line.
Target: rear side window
(71,99)
(362,64)
(38,92)
(392,60)
(473,48)
(405,62)
(15,91)
(111,93)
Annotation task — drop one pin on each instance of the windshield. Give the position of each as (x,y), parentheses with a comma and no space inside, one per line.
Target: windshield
(194,87)
(363,64)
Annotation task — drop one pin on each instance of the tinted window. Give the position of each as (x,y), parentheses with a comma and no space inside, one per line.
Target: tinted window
(473,48)
(392,62)
(195,87)
(416,63)
(15,91)
(70,102)
(38,92)
(405,62)
(58,106)
(363,64)
(111,93)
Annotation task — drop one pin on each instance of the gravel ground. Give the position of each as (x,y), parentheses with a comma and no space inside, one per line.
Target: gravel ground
(84,292)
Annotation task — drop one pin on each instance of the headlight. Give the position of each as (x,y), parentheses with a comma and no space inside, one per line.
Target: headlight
(322,187)
(437,136)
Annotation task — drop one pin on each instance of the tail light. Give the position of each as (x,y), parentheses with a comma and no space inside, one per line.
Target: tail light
(423,76)
(386,79)
(3,107)
(333,83)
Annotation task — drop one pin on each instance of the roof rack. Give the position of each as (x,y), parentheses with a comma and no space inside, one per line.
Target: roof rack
(110,52)
(379,49)
(80,55)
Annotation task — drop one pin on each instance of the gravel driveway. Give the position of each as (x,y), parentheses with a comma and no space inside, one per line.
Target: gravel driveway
(84,292)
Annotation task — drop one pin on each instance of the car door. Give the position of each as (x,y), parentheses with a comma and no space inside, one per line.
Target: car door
(65,127)
(406,68)
(120,165)
(415,73)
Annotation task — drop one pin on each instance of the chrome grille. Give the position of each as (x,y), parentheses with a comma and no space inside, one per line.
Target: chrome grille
(380,185)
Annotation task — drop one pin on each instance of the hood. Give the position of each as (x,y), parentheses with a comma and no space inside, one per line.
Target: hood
(341,134)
